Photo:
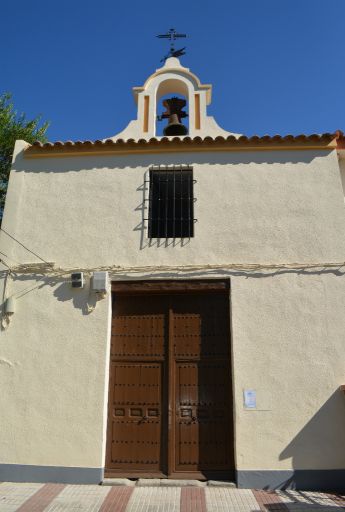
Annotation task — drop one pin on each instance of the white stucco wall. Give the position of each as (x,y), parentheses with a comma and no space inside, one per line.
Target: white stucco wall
(52,377)
(250,207)
(288,342)
(342,170)
(288,326)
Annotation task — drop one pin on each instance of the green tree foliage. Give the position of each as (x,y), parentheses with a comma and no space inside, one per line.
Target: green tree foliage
(14,126)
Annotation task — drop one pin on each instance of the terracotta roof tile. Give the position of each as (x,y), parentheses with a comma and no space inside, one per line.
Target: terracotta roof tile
(337,138)
(340,140)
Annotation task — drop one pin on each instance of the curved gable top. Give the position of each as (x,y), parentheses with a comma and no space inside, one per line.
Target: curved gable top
(172,78)
(173,65)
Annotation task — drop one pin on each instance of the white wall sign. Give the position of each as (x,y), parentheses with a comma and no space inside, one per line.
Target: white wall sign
(249,396)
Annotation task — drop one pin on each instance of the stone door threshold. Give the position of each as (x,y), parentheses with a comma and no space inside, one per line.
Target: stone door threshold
(165,482)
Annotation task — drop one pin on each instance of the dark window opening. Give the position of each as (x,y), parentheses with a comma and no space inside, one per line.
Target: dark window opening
(171,203)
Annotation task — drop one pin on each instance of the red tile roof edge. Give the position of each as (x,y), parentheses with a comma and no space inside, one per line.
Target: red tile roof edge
(326,137)
(340,138)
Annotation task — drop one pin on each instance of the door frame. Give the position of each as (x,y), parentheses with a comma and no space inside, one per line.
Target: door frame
(171,287)
(164,286)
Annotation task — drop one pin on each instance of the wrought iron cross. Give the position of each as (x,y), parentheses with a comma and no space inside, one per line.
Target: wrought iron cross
(172,35)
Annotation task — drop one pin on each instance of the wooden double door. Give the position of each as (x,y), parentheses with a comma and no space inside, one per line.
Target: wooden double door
(170,399)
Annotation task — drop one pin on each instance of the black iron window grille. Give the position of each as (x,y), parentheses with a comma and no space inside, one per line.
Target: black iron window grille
(171,202)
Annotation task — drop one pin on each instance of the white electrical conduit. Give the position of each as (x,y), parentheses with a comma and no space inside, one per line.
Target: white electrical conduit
(51,270)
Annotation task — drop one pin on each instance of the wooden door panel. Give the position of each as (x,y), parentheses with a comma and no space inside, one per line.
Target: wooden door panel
(202,447)
(187,449)
(137,384)
(136,416)
(203,417)
(136,445)
(187,379)
(200,334)
(139,336)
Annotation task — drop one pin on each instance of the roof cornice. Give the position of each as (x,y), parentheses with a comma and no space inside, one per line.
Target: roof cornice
(325,141)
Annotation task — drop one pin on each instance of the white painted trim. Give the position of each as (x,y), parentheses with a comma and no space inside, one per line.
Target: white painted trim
(106,378)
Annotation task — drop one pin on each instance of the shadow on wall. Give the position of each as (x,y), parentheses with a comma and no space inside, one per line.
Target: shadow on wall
(83,299)
(94,162)
(223,273)
(80,297)
(321,444)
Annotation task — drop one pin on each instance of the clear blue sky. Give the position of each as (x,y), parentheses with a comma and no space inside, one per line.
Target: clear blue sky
(277,66)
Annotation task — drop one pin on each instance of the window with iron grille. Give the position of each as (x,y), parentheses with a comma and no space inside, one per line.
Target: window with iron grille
(171,203)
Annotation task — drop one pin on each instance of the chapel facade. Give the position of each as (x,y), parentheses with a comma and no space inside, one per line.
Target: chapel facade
(173,303)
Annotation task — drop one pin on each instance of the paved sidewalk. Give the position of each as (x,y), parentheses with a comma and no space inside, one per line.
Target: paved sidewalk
(25,497)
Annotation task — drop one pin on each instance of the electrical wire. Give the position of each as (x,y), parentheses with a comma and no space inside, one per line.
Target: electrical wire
(4,263)
(51,269)
(26,248)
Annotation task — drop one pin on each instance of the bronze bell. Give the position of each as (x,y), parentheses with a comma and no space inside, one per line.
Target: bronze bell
(175,127)
(174,113)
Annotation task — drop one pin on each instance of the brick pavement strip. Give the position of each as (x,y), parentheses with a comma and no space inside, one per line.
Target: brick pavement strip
(320,498)
(307,501)
(117,499)
(28,497)
(230,500)
(192,499)
(338,499)
(42,498)
(269,501)
(155,499)
(13,495)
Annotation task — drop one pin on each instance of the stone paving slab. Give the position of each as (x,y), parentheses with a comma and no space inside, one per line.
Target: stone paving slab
(165,482)
(77,498)
(220,499)
(220,483)
(155,499)
(12,496)
(148,482)
(33,497)
(119,481)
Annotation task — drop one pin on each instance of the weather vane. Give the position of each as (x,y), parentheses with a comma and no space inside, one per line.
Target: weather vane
(172,35)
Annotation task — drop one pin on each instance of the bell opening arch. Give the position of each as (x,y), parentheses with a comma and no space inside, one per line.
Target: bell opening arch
(167,88)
